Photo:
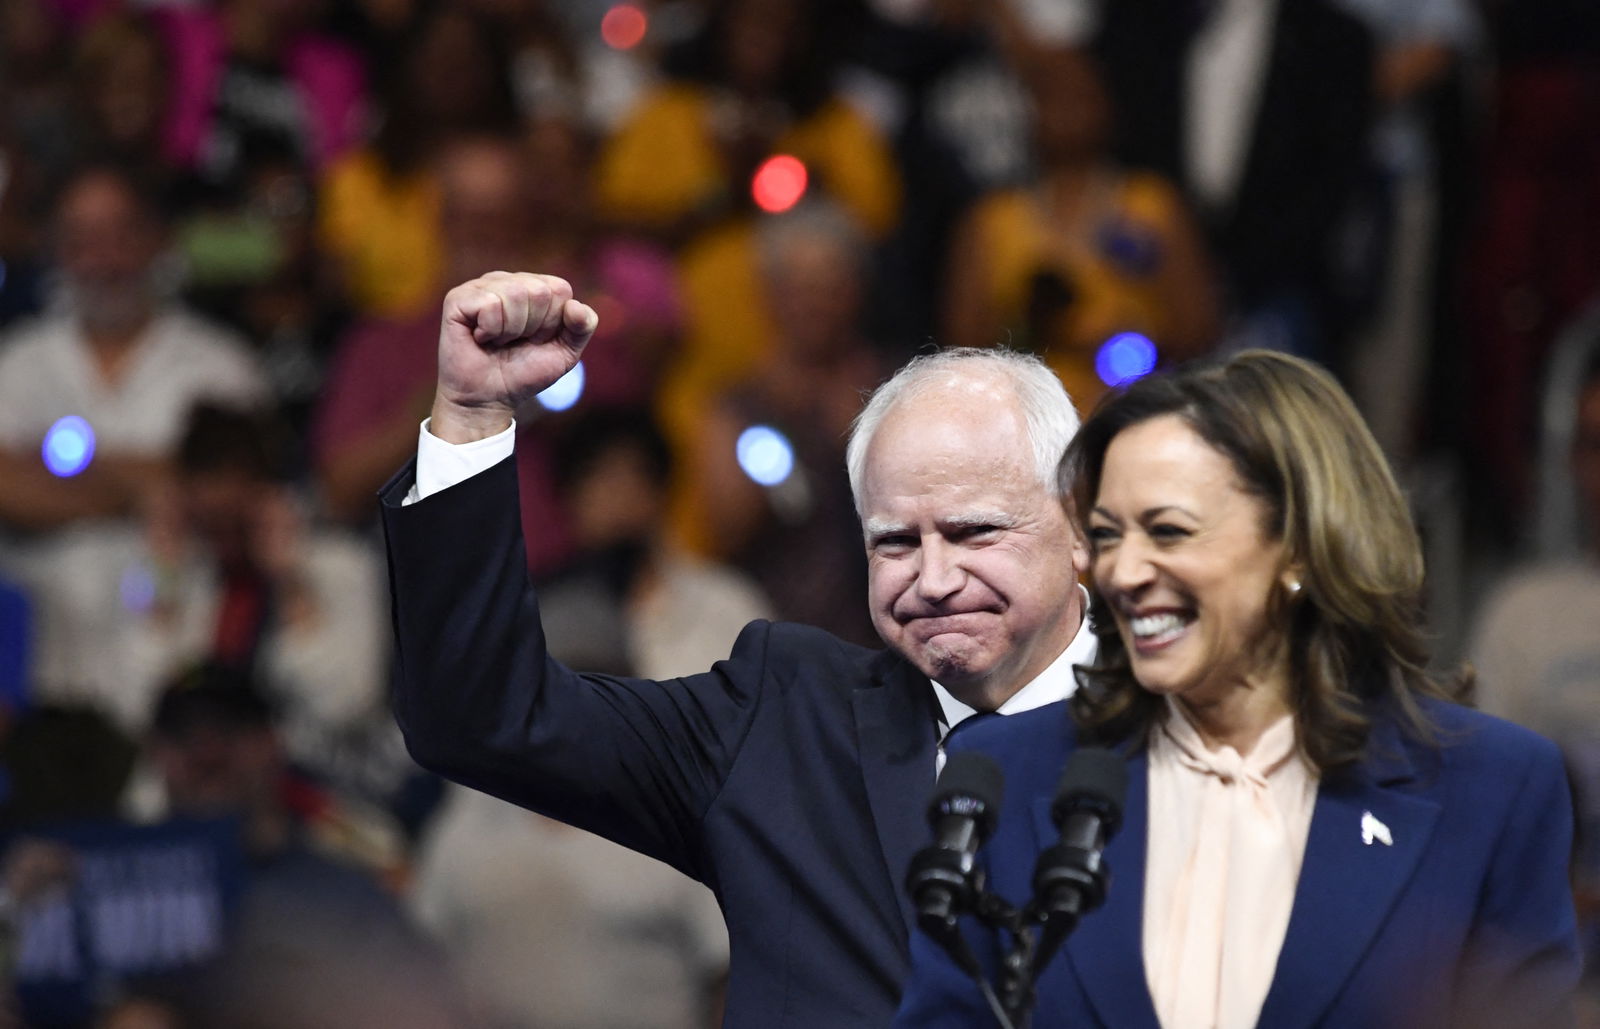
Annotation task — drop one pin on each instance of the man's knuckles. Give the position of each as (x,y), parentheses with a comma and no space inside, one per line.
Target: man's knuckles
(504,307)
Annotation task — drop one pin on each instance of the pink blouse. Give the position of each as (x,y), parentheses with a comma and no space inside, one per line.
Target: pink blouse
(1225,841)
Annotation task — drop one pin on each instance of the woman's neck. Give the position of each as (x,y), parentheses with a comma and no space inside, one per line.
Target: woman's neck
(1239,716)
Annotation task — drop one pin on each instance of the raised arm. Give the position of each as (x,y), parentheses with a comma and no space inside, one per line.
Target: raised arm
(476,693)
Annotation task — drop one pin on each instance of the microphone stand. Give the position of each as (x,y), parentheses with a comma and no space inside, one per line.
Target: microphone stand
(1064,890)
(1069,879)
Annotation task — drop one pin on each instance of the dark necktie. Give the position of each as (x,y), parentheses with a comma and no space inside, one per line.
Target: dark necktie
(970,722)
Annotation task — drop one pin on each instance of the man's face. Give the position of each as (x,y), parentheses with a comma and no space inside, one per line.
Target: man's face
(107,247)
(213,769)
(222,508)
(972,563)
(482,211)
(814,293)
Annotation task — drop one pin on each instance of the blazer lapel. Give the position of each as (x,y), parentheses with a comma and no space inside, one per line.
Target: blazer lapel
(1349,879)
(1106,951)
(895,735)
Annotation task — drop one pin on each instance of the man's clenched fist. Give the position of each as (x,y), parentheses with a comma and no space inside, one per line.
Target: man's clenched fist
(503,338)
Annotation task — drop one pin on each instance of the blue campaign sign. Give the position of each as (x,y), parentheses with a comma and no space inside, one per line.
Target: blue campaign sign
(144,900)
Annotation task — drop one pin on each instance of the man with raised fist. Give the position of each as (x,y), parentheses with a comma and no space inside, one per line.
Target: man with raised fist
(791,777)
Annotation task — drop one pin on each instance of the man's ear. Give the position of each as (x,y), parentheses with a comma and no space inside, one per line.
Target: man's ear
(1080,554)
(1080,541)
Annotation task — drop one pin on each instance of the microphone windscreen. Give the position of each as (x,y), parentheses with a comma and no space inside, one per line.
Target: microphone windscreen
(1096,778)
(971,785)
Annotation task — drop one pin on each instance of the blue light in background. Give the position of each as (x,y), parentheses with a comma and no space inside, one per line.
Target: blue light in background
(765,454)
(564,392)
(1125,357)
(68,446)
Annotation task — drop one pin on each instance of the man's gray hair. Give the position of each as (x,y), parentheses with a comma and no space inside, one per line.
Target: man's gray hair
(1047,412)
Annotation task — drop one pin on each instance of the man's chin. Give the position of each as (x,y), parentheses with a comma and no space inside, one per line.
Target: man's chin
(953,666)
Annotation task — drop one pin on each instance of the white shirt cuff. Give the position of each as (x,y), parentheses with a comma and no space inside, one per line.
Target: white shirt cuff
(441,465)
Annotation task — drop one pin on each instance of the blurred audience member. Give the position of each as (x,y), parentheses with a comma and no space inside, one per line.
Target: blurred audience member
(379,217)
(226,570)
(633,279)
(1537,652)
(1394,231)
(35,81)
(563,67)
(101,96)
(116,352)
(316,942)
(1083,254)
(1260,110)
(232,573)
(60,764)
(36,116)
(122,92)
(630,602)
(1535,255)
(255,266)
(381,384)
(941,78)
(804,392)
(547,925)
(254,78)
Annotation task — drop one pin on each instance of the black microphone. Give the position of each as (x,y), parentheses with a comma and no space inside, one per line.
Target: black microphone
(1070,878)
(943,881)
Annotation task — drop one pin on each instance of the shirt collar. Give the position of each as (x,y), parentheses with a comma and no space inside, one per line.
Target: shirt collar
(1056,682)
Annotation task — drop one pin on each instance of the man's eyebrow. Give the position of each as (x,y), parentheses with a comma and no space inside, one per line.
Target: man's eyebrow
(877,528)
(972,519)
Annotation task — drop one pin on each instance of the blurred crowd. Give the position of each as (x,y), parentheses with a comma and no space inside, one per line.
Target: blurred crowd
(225,230)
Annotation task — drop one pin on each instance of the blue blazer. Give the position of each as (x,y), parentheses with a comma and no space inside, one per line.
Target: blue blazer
(1465,920)
(791,778)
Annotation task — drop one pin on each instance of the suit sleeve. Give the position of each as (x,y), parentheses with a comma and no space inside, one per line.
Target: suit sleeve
(1522,963)
(480,701)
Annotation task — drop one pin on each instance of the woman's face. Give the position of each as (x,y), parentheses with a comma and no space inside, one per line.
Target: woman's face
(1181,556)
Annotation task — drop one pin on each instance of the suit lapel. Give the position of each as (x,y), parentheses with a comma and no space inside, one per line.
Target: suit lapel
(1106,952)
(895,734)
(1347,884)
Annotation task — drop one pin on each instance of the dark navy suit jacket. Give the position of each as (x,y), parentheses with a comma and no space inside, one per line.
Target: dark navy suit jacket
(1466,919)
(791,778)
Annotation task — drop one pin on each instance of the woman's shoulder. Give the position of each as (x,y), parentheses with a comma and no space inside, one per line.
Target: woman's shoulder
(1469,739)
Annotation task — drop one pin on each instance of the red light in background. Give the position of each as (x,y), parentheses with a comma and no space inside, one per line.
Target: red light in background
(779,183)
(624,26)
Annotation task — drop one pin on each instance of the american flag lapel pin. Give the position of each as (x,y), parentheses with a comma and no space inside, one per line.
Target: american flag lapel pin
(1372,829)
